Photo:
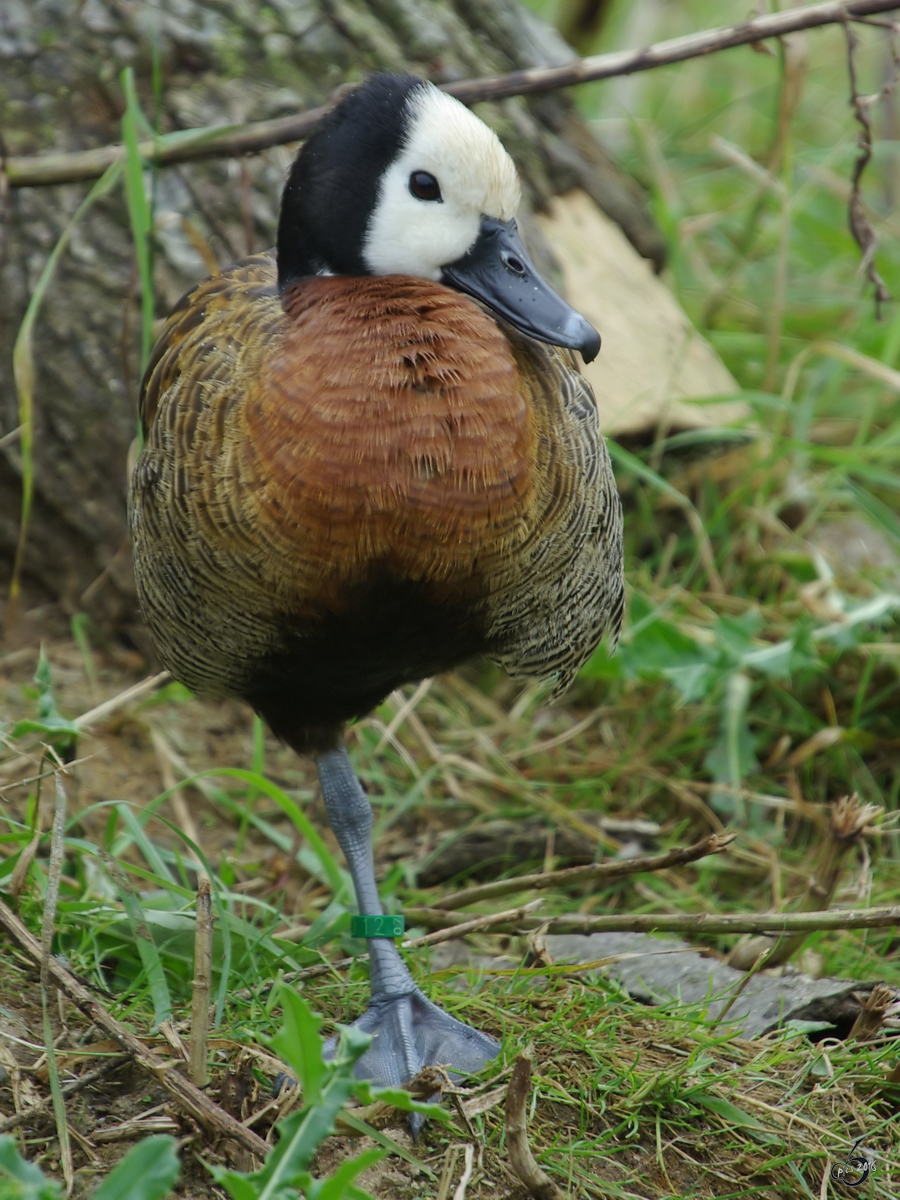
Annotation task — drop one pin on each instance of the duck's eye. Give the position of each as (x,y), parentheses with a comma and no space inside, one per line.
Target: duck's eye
(424,186)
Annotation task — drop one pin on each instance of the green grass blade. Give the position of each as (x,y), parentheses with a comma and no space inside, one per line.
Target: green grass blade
(291,809)
(876,510)
(57,843)
(24,375)
(139,837)
(143,940)
(139,213)
(387,1142)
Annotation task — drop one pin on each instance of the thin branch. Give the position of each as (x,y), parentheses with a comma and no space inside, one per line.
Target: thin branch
(462,925)
(860,225)
(773,923)
(449,925)
(595,873)
(136,692)
(27,1115)
(232,140)
(186,1095)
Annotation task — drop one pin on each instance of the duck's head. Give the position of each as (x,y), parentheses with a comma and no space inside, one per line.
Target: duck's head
(401,179)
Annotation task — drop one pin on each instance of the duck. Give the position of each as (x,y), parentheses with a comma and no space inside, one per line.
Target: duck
(369,457)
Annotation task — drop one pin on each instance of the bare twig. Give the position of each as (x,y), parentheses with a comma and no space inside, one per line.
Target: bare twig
(849,822)
(522,1161)
(137,692)
(186,1095)
(697,923)
(860,225)
(591,873)
(453,925)
(232,140)
(8,438)
(203,935)
(27,1115)
(463,925)
(460,1193)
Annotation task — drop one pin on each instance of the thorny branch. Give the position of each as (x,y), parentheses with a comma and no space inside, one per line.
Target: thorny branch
(860,225)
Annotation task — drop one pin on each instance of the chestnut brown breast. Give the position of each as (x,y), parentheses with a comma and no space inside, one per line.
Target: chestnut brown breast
(361,485)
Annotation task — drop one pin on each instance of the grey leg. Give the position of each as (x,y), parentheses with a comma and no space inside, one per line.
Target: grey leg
(410,1031)
(350,817)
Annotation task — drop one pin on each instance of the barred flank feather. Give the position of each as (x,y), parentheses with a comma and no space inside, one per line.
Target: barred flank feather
(365,482)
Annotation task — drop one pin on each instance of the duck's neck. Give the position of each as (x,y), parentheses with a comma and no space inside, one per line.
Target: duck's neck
(296,255)
(321,238)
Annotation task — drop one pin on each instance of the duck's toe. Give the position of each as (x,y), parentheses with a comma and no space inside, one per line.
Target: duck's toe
(411,1033)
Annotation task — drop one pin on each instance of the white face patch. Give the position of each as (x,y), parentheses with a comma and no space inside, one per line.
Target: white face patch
(408,236)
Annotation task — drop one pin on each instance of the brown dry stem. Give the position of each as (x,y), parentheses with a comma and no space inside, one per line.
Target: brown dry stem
(849,822)
(591,873)
(203,939)
(189,1097)
(871,1018)
(695,923)
(860,225)
(28,1115)
(522,1161)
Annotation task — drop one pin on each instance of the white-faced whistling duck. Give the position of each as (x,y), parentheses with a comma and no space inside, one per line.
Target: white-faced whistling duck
(366,461)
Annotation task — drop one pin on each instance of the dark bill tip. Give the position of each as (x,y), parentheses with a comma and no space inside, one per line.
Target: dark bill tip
(498,271)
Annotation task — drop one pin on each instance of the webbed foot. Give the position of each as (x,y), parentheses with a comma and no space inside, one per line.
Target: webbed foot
(412,1033)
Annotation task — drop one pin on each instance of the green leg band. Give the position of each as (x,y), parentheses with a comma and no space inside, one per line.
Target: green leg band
(382,926)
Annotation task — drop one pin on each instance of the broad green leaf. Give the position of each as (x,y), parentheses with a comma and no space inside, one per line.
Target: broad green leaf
(339,1185)
(147,1172)
(735,634)
(50,720)
(21,1180)
(300,1135)
(774,660)
(299,1044)
(659,650)
(398,1098)
(238,1185)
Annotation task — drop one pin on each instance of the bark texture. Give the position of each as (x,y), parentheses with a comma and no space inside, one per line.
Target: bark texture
(220,61)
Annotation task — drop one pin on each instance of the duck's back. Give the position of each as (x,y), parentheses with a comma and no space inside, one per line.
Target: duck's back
(363,485)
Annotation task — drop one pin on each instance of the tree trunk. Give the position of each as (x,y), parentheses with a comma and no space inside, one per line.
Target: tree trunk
(219,61)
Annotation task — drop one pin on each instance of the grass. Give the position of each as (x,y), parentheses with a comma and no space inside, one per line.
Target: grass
(757,682)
